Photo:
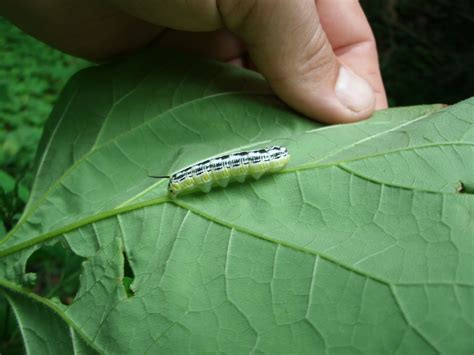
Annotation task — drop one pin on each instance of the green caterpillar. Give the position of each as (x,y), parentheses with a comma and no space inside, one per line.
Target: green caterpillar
(223,169)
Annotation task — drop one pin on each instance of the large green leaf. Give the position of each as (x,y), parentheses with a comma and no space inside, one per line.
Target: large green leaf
(363,244)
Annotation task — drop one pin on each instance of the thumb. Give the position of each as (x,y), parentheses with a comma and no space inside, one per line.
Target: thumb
(289,47)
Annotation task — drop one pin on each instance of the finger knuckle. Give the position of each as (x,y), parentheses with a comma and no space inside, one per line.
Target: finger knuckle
(318,55)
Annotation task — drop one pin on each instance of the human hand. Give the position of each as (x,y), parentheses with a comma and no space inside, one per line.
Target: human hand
(309,52)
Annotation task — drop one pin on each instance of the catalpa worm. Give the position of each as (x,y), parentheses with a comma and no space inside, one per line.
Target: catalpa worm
(223,169)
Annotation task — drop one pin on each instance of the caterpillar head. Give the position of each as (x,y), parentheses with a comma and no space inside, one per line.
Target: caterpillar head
(173,188)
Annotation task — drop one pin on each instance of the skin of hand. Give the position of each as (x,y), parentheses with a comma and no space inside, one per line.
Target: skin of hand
(318,56)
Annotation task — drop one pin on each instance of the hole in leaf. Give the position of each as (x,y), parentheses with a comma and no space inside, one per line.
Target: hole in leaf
(53,271)
(128,276)
(463,188)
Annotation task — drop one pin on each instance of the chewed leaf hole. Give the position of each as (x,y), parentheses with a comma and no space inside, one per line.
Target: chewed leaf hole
(128,276)
(53,271)
(463,188)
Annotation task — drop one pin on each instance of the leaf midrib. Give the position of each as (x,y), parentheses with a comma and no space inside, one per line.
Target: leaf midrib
(321,163)
(163,199)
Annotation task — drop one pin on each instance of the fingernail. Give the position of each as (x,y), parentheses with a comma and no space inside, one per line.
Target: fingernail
(354,92)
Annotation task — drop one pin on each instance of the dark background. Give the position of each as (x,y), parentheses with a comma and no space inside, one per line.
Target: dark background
(426,49)
(426,53)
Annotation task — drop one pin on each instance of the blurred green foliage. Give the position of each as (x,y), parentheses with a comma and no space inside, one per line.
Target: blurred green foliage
(31,76)
(13,197)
